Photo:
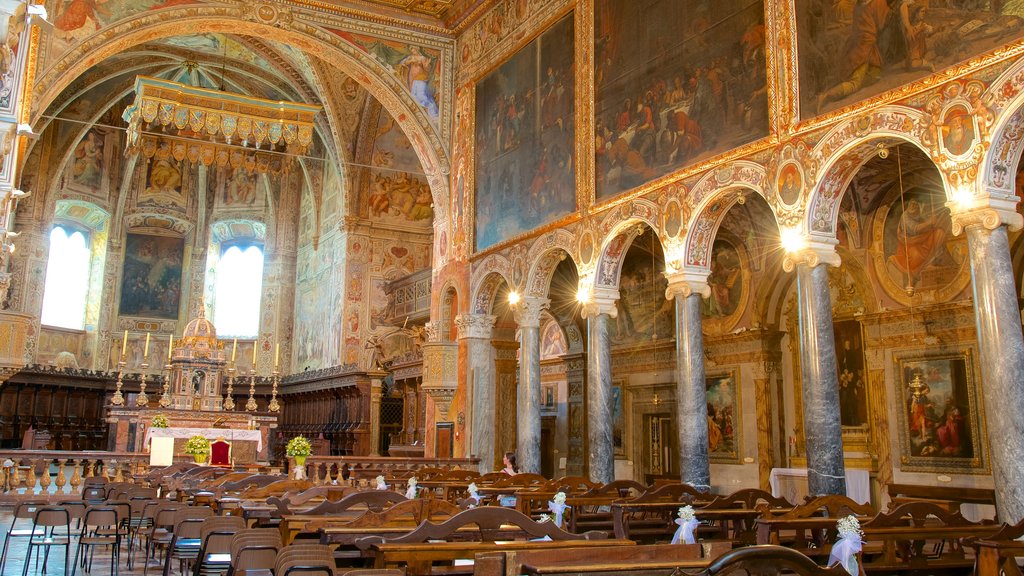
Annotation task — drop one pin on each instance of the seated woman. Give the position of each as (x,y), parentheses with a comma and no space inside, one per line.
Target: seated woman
(508,500)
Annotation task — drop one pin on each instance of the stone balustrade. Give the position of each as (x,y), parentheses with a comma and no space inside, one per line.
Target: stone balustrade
(323,470)
(30,471)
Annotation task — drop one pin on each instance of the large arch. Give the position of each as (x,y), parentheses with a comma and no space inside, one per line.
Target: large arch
(710,200)
(614,246)
(148,26)
(845,148)
(487,278)
(543,257)
(1005,104)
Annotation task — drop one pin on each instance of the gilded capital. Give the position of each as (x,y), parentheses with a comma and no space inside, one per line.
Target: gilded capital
(814,253)
(527,311)
(991,217)
(688,281)
(475,325)
(597,306)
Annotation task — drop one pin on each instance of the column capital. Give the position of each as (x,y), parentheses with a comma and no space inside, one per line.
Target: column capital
(991,217)
(814,252)
(601,301)
(475,325)
(688,281)
(527,311)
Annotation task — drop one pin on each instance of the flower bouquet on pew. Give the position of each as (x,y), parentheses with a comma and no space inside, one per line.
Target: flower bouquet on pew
(844,551)
(557,507)
(688,523)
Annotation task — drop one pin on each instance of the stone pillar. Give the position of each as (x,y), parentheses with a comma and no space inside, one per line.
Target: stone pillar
(376,378)
(1002,351)
(575,371)
(692,408)
(475,330)
(826,472)
(601,451)
(527,314)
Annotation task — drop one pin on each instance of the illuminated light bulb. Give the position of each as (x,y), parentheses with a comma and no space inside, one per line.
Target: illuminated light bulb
(513,297)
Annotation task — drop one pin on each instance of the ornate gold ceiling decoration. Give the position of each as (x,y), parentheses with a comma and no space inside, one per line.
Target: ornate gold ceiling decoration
(216,126)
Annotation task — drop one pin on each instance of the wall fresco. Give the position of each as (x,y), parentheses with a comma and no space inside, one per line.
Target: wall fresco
(675,82)
(151,280)
(525,138)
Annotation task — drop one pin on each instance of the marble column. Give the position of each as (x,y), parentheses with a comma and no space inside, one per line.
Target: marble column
(475,330)
(601,451)
(691,402)
(527,314)
(1002,355)
(826,473)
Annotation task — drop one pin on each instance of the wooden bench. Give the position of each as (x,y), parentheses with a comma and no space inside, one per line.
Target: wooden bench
(764,560)
(998,553)
(903,534)
(467,533)
(649,516)
(949,496)
(648,560)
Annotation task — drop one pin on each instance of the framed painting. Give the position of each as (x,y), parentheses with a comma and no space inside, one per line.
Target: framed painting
(939,425)
(853,388)
(723,399)
(526,139)
(151,280)
(89,167)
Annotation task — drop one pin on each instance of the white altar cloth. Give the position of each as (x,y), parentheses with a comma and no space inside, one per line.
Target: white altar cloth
(229,434)
(858,484)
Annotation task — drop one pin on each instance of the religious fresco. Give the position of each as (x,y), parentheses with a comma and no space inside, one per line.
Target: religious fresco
(240,189)
(939,424)
(722,394)
(525,139)
(729,282)
(644,314)
(855,49)
(164,180)
(151,280)
(394,190)
(853,387)
(75,20)
(317,332)
(676,82)
(913,247)
(88,167)
(552,341)
(419,68)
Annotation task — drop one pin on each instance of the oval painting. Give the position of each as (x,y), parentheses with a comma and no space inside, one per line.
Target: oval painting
(957,130)
(790,183)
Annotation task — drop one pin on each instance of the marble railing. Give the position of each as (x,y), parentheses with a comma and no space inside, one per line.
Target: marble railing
(29,471)
(322,470)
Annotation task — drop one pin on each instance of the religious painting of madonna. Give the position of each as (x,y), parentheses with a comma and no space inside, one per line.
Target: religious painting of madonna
(525,139)
(940,429)
(849,50)
(723,400)
(151,282)
(677,82)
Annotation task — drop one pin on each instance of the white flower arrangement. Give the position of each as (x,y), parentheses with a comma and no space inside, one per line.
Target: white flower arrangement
(544,518)
(559,498)
(849,526)
(410,491)
(686,513)
(380,483)
(472,489)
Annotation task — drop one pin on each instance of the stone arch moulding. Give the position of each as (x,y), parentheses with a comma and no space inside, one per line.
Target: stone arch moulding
(710,200)
(845,148)
(614,247)
(149,26)
(543,257)
(1004,100)
(486,279)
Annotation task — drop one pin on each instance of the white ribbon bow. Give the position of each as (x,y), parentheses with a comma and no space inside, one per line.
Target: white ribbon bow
(381,485)
(684,534)
(844,552)
(557,509)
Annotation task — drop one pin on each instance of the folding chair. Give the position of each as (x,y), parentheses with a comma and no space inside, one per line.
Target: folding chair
(100,528)
(49,519)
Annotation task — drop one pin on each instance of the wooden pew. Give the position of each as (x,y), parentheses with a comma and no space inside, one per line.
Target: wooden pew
(656,560)
(343,510)
(809,527)
(535,500)
(467,533)
(766,560)
(949,496)
(998,554)
(650,515)
(743,530)
(592,510)
(903,534)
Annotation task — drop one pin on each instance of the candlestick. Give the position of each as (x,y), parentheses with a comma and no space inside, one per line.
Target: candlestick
(142,399)
(165,399)
(229,399)
(124,344)
(234,348)
(250,404)
(277,354)
(255,343)
(118,399)
(274,405)
(145,350)
(170,346)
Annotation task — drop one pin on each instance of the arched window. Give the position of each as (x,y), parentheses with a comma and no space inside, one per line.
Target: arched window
(239,284)
(67,279)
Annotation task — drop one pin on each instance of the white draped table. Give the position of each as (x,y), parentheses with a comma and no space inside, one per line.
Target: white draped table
(791,483)
(229,434)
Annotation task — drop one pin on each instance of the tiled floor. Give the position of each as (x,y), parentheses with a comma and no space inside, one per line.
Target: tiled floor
(15,561)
